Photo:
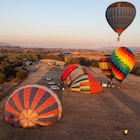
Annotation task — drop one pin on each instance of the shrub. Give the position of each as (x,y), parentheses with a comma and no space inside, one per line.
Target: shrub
(74,61)
(84,61)
(21,74)
(10,71)
(2,77)
(94,63)
(138,72)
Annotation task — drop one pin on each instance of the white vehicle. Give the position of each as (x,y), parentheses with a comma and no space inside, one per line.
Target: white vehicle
(48,78)
(51,83)
(54,87)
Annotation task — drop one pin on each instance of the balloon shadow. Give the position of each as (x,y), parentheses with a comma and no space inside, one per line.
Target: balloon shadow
(128,101)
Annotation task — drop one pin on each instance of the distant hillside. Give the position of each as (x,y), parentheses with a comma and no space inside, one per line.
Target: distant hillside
(113,48)
(5,44)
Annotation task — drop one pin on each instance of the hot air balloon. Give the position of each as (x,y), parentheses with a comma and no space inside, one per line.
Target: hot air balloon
(67,71)
(120,15)
(104,65)
(87,83)
(32,106)
(74,75)
(122,62)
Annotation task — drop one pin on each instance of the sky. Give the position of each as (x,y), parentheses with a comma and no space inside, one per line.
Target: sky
(63,24)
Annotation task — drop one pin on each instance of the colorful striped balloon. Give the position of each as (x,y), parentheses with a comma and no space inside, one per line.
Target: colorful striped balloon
(122,62)
(86,83)
(67,72)
(104,65)
(74,75)
(32,106)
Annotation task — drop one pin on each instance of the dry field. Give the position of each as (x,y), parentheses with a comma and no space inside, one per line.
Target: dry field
(102,116)
(98,54)
(90,55)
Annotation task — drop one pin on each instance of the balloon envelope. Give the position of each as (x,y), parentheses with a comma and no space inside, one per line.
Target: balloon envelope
(122,62)
(104,65)
(67,71)
(120,15)
(74,75)
(86,83)
(32,106)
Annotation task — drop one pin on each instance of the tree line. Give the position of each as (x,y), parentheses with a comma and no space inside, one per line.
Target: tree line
(12,64)
(13,61)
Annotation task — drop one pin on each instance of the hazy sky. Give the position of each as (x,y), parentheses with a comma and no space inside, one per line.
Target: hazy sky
(63,23)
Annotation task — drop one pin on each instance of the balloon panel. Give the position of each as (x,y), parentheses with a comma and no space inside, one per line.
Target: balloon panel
(67,71)
(85,88)
(104,65)
(74,75)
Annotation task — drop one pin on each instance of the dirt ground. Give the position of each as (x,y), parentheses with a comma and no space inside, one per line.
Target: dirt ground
(101,116)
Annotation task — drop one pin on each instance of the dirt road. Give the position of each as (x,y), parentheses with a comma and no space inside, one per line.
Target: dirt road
(102,116)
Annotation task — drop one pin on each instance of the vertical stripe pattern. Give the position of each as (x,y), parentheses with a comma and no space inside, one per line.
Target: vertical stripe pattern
(67,71)
(33,106)
(120,15)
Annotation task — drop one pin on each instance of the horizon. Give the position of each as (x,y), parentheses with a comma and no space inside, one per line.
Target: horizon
(103,48)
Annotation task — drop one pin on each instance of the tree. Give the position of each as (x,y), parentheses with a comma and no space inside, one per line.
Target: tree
(2,77)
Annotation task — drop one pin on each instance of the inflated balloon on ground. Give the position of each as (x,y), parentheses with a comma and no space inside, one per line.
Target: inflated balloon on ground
(67,71)
(86,83)
(74,75)
(33,106)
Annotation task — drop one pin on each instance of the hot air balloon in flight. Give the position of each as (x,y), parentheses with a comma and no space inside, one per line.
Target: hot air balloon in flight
(104,65)
(32,106)
(120,15)
(86,83)
(122,62)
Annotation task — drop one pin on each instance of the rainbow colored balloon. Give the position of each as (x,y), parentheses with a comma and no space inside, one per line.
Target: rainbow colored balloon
(122,62)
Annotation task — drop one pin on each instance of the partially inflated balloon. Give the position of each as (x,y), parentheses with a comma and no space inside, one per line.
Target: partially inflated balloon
(120,15)
(122,62)
(67,71)
(74,75)
(86,83)
(33,106)
(104,65)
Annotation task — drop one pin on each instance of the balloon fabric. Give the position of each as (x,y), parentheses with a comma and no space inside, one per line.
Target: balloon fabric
(86,83)
(104,65)
(33,106)
(122,62)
